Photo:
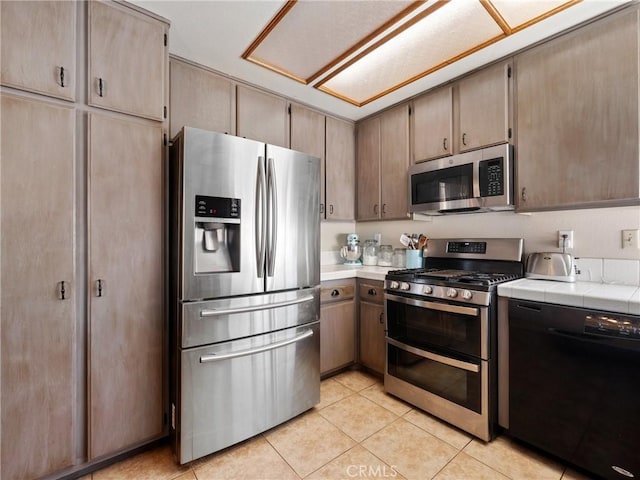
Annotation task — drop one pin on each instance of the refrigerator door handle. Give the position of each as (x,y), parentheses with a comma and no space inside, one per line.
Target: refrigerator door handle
(216,312)
(261,207)
(272,217)
(242,353)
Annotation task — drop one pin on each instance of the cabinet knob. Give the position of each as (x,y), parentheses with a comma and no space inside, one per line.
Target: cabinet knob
(335,293)
(523,194)
(444,143)
(99,287)
(381,318)
(384,208)
(372,292)
(322,208)
(330,209)
(464,139)
(100,87)
(62,77)
(62,290)
(375,209)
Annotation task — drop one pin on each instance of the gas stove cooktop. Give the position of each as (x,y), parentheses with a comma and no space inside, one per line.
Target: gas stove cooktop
(461,270)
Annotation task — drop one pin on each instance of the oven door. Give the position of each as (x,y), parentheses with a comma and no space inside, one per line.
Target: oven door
(428,325)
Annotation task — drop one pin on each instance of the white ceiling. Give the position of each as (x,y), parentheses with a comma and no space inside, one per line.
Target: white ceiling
(216,33)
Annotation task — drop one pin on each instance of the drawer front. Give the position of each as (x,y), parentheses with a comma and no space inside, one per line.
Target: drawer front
(337,291)
(370,291)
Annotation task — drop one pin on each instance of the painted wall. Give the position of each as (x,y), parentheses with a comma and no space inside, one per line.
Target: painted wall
(597,232)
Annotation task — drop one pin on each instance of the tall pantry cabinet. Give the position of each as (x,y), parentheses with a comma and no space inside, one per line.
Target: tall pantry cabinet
(82,331)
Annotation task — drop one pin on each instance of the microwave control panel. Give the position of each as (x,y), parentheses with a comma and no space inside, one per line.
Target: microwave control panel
(220,207)
(491,177)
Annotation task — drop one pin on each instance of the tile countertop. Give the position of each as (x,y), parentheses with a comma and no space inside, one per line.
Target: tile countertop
(339,272)
(598,296)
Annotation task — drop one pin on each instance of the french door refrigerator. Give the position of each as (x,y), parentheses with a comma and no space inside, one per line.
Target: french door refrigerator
(245,297)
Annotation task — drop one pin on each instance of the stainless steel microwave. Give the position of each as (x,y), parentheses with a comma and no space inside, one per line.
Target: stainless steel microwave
(477,181)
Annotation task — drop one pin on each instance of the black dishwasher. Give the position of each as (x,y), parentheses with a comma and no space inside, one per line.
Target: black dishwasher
(574,385)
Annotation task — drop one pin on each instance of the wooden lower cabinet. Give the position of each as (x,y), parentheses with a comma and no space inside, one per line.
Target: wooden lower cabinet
(372,325)
(39,290)
(125,283)
(337,325)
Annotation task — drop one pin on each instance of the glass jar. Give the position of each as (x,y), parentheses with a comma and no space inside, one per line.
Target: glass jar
(399,257)
(385,255)
(370,252)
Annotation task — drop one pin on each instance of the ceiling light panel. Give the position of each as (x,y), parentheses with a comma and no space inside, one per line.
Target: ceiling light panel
(309,37)
(522,13)
(443,35)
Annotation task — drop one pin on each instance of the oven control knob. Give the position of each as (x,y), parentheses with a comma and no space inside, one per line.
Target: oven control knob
(452,293)
(394,284)
(466,294)
(405,286)
(428,290)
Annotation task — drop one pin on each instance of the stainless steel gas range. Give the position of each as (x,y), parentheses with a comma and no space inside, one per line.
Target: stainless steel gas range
(442,330)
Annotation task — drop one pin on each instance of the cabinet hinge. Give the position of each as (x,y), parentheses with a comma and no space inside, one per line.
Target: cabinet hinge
(165,40)
(509,132)
(165,139)
(509,72)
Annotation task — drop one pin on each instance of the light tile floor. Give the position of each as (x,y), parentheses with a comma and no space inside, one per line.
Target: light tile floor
(357,431)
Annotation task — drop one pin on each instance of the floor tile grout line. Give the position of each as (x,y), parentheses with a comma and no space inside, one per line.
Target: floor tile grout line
(280,455)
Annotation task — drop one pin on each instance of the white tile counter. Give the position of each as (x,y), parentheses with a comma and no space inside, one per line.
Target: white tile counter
(598,296)
(339,272)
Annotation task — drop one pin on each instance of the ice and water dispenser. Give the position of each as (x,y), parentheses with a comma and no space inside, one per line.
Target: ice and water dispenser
(217,234)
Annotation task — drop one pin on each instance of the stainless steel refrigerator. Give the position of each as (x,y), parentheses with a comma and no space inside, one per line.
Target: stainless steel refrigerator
(244,288)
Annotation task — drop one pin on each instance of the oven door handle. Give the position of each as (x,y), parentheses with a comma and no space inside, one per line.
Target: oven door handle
(444,307)
(452,362)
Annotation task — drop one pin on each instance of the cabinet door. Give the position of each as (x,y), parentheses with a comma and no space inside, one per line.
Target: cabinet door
(368,169)
(127,59)
(39,47)
(261,117)
(394,162)
(372,336)
(39,371)
(125,283)
(577,114)
(432,125)
(337,335)
(483,108)
(308,136)
(340,172)
(200,99)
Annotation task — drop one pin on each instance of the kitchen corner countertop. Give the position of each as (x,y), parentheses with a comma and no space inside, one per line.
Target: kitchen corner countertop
(339,272)
(598,296)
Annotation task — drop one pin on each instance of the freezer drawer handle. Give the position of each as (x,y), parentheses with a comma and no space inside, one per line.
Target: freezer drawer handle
(216,312)
(452,362)
(272,346)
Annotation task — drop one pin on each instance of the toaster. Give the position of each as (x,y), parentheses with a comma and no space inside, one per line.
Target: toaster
(551,266)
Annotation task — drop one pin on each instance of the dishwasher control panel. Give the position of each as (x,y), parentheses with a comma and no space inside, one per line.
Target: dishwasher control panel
(612,326)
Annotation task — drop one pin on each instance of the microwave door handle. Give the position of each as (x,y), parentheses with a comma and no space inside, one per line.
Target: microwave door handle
(260,221)
(452,362)
(443,307)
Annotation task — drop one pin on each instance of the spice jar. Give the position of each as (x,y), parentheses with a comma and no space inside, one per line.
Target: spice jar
(385,255)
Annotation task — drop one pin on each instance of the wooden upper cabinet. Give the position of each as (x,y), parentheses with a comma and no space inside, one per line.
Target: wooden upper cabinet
(39,289)
(127,60)
(483,107)
(340,170)
(39,47)
(199,98)
(577,117)
(261,116)
(432,125)
(394,162)
(308,136)
(368,169)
